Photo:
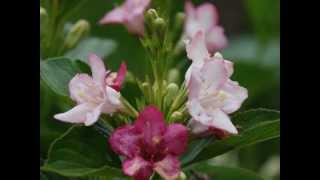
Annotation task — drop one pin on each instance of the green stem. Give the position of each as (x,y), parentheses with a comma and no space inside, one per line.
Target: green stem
(129,108)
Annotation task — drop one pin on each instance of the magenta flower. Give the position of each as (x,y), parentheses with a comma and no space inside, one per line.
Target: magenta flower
(212,95)
(149,145)
(94,95)
(130,14)
(205,18)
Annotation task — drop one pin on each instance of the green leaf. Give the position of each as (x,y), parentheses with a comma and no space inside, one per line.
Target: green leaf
(221,173)
(82,151)
(98,46)
(254,126)
(57,72)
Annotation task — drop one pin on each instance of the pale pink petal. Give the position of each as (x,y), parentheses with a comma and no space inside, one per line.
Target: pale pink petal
(84,89)
(197,127)
(175,139)
(216,39)
(211,118)
(236,96)
(207,15)
(196,49)
(135,24)
(77,114)
(221,120)
(168,168)
(214,74)
(229,67)
(151,122)
(193,83)
(125,141)
(116,16)
(98,69)
(93,116)
(112,101)
(137,167)
(117,84)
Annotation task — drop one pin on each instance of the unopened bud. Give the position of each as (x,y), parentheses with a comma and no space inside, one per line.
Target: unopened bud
(160,27)
(80,29)
(182,176)
(179,20)
(218,55)
(146,89)
(173,76)
(151,15)
(176,116)
(43,19)
(130,77)
(172,90)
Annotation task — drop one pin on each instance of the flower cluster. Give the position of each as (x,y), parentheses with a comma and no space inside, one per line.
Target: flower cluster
(154,139)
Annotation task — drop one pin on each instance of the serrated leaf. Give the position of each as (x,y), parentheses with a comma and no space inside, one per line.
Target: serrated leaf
(98,46)
(221,173)
(254,126)
(57,72)
(82,151)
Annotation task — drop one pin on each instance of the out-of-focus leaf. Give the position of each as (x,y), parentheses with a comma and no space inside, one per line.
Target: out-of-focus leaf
(98,46)
(82,151)
(254,126)
(265,18)
(246,49)
(57,72)
(220,172)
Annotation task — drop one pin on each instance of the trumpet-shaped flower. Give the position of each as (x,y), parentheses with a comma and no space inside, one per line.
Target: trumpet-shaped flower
(130,14)
(149,145)
(205,18)
(94,95)
(212,95)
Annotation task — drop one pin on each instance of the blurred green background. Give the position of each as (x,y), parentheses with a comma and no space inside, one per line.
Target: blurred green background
(252,27)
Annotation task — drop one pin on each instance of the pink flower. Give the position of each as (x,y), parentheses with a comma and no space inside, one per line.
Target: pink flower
(149,145)
(212,95)
(94,95)
(130,14)
(205,17)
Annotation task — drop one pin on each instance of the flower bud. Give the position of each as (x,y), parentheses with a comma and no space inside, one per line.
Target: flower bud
(173,76)
(151,15)
(179,20)
(130,77)
(43,20)
(182,176)
(176,116)
(146,89)
(172,90)
(218,55)
(78,30)
(160,26)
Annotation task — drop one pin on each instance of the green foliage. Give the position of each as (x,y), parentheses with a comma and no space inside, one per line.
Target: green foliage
(254,126)
(82,151)
(99,46)
(220,173)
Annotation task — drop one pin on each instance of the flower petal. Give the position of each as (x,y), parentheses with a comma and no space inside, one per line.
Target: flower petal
(214,118)
(207,15)
(152,124)
(124,141)
(137,167)
(120,77)
(175,139)
(77,114)
(98,69)
(83,89)
(236,96)
(197,127)
(168,168)
(194,82)
(196,49)
(216,39)
(214,74)
(112,101)
(116,16)
(93,116)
